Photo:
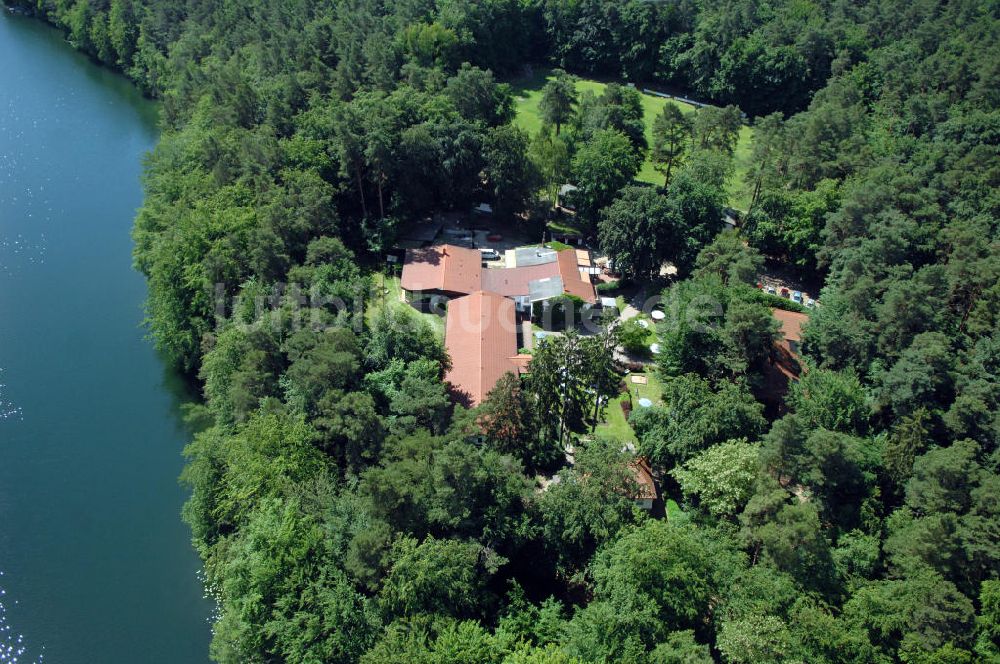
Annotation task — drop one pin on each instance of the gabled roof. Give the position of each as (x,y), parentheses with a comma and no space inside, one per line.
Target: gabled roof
(452,269)
(481,338)
(575,283)
(442,268)
(784,366)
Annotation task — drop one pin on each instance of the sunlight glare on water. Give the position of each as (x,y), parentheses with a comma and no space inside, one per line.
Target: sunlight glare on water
(8,409)
(97,564)
(13,648)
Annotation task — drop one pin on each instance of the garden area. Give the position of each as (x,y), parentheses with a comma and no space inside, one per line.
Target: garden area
(639,385)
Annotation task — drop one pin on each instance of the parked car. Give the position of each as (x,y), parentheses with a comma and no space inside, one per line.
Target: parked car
(810,302)
(489,254)
(771,290)
(797,296)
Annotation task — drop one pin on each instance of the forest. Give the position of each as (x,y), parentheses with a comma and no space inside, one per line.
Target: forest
(346,510)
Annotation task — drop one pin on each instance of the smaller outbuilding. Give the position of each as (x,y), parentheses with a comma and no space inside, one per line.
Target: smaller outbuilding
(646,493)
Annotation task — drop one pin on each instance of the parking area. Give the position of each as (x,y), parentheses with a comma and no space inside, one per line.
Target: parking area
(785,282)
(784,289)
(481,231)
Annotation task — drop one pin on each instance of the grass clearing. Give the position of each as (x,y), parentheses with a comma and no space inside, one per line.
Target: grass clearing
(739,192)
(528,93)
(387,291)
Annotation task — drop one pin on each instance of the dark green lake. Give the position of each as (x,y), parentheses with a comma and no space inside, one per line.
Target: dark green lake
(96,564)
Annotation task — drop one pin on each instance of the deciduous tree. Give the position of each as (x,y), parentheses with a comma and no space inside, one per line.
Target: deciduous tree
(721,477)
(602,167)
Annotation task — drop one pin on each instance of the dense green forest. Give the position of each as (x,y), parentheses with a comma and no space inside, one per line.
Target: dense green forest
(346,511)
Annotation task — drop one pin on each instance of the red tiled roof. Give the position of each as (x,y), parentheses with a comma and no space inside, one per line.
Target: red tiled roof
(481,338)
(513,281)
(443,268)
(454,269)
(791,323)
(784,366)
(778,374)
(574,283)
(463,269)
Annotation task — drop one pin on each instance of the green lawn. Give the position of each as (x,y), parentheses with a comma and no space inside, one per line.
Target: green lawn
(392,293)
(674,512)
(568,224)
(652,390)
(528,92)
(739,193)
(615,425)
(651,336)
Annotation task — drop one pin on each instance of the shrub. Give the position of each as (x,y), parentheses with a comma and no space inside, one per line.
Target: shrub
(563,311)
(777,302)
(634,337)
(609,286)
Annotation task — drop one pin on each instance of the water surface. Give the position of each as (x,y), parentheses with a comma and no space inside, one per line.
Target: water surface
(96,564)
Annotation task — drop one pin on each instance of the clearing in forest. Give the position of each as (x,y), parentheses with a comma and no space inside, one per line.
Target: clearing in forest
(528,92)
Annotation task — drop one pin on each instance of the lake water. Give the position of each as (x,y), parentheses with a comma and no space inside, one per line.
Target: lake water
(96,565)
